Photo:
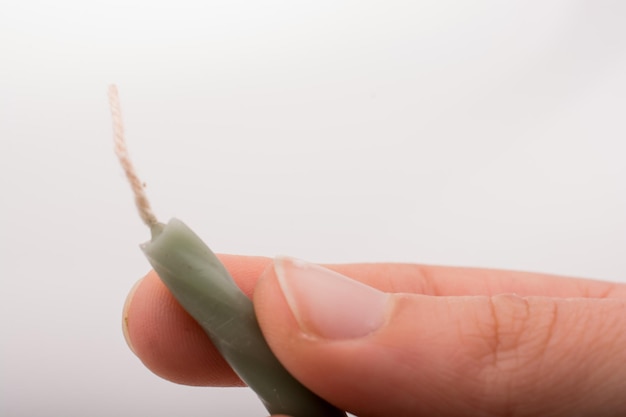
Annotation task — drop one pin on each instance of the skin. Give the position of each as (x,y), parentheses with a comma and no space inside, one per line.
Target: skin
(458,342)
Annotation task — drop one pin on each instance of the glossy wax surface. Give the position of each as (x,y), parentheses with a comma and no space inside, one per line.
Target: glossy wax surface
(205,289)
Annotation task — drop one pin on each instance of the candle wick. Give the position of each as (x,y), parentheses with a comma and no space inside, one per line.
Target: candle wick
(137,186)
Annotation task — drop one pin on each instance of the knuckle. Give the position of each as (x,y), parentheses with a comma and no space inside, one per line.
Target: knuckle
(521,331)
(516,334)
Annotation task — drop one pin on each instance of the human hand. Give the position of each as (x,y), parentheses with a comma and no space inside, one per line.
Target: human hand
(410,340)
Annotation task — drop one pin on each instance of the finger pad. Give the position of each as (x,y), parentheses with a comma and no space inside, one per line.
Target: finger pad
(169,342)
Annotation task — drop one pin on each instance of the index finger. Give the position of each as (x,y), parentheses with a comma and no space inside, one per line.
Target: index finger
(171,344)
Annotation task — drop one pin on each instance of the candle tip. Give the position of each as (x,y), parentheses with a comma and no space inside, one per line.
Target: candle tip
(156,229)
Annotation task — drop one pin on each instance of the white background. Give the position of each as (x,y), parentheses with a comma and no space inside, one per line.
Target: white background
(481,133)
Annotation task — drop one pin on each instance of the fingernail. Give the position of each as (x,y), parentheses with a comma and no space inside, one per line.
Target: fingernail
(127,304)
(327,304)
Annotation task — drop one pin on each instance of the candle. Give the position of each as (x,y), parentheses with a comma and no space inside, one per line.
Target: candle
(205,289)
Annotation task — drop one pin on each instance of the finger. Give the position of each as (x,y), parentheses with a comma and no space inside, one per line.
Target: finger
(169,341)
(380,354)
(174,347)
(447,281)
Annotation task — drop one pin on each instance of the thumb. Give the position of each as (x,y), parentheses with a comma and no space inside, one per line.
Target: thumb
(376,353)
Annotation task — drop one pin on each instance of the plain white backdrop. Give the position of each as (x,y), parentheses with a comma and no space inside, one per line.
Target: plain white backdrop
(478,133)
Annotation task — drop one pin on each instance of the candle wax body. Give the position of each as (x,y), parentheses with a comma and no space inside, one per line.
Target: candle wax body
(204,288)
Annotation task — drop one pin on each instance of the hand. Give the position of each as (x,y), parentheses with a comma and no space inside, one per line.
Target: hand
(410,340)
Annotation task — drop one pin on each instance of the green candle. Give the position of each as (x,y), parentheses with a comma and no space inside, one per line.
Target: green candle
(205,289)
